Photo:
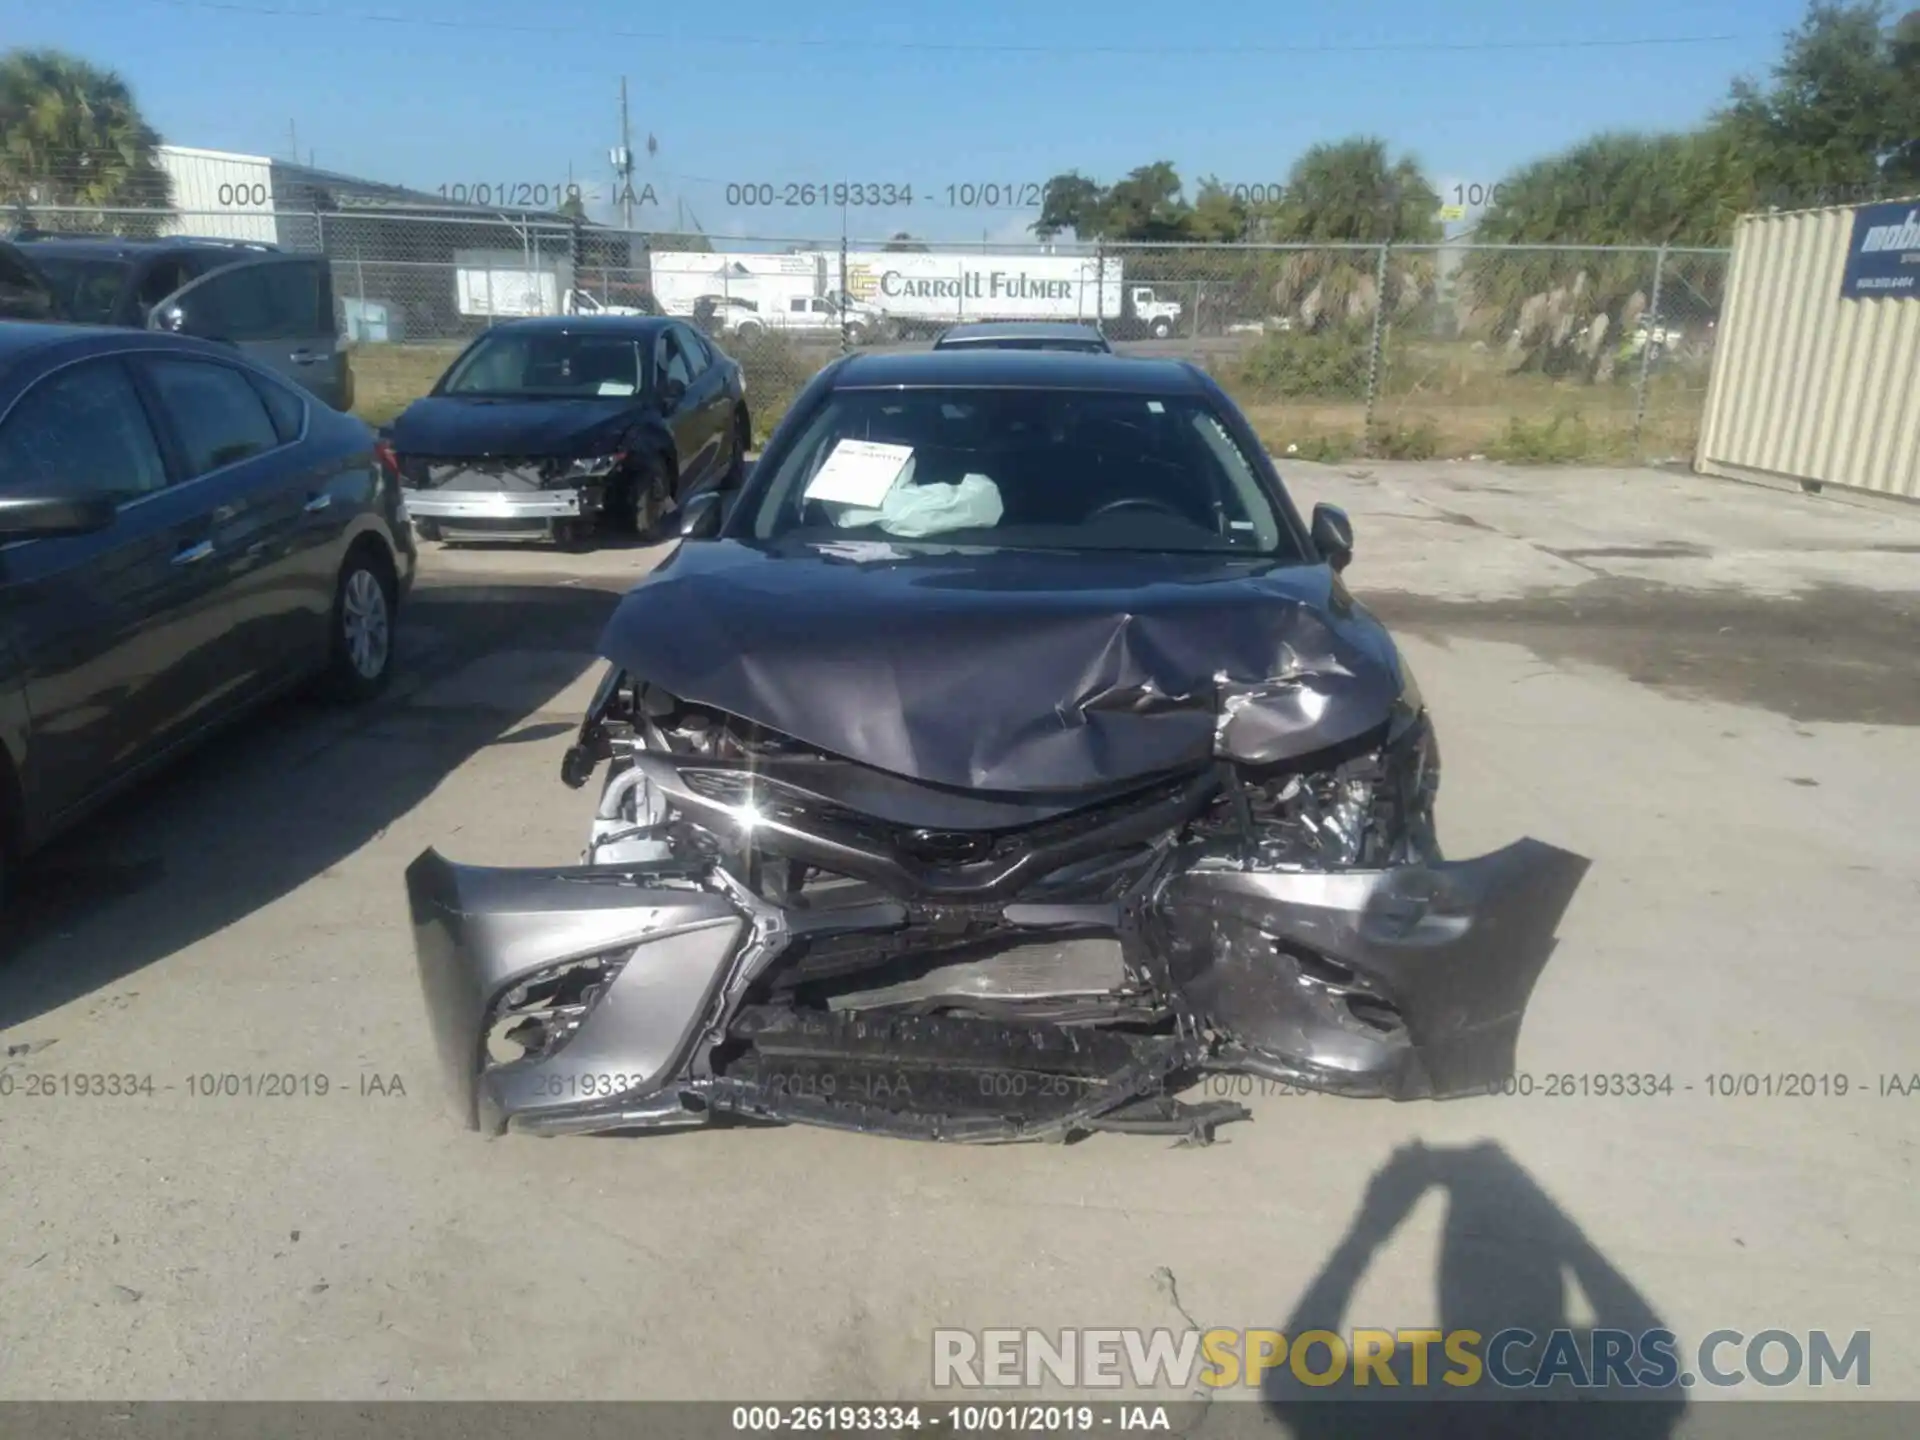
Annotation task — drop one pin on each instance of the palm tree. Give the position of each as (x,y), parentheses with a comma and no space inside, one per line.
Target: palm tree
(71,135)
(1556,310)
(1352,192)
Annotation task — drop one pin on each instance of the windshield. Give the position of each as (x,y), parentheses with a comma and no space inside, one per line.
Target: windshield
(550,364)
(84,291)
(1020,469)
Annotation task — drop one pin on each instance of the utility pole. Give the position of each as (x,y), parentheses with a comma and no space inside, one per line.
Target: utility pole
(293,142)
(623,160)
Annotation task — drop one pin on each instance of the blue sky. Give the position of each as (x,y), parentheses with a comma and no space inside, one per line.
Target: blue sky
(911,92)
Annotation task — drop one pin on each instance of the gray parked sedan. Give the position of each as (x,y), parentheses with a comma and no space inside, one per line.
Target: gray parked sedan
(183,535)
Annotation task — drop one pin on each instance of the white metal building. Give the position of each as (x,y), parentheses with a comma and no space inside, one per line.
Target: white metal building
(1816,373)
(216,193)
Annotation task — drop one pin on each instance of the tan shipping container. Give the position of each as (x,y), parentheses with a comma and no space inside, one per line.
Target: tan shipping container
(1809,386)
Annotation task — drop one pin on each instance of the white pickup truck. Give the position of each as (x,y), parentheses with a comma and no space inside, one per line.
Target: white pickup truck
(801,314)
(579,302)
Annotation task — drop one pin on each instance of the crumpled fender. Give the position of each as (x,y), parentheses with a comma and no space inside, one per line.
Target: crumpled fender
(1295,967)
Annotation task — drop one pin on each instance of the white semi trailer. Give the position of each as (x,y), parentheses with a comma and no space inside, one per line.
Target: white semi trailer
(910,293)
(923,293)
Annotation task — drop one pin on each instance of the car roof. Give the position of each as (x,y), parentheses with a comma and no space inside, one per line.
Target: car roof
(115,247)
(23,337)
(637,325)
(1038,369)
(985,330)
(22,340)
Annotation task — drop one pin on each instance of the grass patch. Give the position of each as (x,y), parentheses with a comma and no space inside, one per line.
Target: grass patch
(1300,364)
(388,378)
(1418,441)
(1327,447)
(1559,439)
(1437,401)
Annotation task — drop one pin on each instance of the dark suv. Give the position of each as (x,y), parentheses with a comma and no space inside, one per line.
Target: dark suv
(276,309)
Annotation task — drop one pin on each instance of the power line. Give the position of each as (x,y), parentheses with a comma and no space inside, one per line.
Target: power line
(959,46)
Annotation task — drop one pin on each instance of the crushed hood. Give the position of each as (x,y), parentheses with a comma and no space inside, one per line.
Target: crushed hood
(1012,671)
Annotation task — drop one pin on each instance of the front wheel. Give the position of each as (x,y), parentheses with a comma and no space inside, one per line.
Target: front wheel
(1162,329)
(640,502)
(361,659)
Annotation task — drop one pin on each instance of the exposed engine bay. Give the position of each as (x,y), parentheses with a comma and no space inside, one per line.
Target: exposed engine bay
(763,928)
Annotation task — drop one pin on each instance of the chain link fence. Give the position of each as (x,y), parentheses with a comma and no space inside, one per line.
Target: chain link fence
(1524,353)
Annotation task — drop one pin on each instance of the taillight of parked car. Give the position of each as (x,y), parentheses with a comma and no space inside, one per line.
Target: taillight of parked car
(389,462)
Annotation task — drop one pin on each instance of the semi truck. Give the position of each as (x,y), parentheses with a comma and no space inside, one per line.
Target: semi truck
(923,293)
(908,295)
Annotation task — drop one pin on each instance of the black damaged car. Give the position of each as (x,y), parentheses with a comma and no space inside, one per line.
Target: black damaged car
(558,427)
(1004,755)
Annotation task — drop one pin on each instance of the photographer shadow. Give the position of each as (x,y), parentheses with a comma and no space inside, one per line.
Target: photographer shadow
(1507,1255)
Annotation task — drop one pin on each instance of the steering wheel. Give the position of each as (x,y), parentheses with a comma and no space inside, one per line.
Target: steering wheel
(1135,502)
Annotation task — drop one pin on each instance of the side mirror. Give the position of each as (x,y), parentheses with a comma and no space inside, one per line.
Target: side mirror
(1333,535)
(29,517)
(700,517)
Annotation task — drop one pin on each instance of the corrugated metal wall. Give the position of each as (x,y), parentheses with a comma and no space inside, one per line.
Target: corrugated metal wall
(226,196)
(1808,386)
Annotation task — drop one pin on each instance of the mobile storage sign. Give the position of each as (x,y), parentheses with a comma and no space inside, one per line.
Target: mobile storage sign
(1883,257)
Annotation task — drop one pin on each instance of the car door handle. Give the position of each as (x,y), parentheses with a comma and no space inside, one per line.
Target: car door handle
(188,554)
(318,503)
(304,357)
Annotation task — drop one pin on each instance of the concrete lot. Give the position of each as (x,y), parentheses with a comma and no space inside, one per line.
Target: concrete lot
(1711,690)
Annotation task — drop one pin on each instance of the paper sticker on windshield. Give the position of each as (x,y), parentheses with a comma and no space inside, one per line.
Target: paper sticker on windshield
(615,387)
(859,472)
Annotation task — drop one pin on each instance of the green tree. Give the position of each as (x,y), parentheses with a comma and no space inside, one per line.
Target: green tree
(1144,205)
(1841,111)
(1147,205)
(1216,216)
(1836,123)
(1346,193)
(1072,202)
(71,135)
(1565,312)
(573,207)
(1903,166)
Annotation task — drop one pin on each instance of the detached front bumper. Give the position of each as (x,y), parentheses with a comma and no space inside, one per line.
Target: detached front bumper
(1407,983)
(480,932)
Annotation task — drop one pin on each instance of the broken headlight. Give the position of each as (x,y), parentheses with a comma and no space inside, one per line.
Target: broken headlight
(592,467)
(1360,806)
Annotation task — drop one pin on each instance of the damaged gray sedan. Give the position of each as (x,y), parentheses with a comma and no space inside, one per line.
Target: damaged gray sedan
(1004,755)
